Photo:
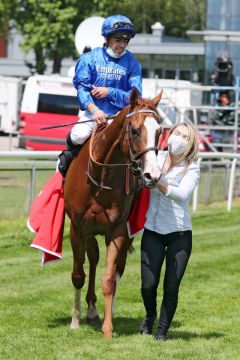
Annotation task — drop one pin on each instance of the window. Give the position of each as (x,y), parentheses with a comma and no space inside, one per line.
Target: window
(185,75)
(170,74)
(58,104)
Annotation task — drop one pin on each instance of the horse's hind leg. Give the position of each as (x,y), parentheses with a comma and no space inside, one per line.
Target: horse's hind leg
(78,275)
(91,298)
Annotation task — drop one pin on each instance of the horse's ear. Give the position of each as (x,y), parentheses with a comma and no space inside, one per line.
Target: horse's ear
(134,98)
(157,98)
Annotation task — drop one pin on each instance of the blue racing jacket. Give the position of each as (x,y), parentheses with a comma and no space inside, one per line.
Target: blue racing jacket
(119,75)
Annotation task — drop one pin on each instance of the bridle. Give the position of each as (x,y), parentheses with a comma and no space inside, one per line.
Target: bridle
(135,158)
(135,165)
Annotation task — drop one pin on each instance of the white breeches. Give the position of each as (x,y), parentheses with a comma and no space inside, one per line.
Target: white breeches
(81,132)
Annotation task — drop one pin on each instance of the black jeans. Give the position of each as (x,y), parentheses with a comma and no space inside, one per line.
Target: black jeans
(176,248)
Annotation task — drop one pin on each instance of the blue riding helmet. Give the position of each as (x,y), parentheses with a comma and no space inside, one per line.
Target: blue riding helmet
(117,23)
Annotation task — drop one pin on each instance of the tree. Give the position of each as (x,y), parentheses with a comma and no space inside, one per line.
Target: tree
(7,10)
(195,14)
(47,30)
(177,16)
(48,26)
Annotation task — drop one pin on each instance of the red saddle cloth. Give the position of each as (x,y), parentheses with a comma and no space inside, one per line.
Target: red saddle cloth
(137,218)
(47,217)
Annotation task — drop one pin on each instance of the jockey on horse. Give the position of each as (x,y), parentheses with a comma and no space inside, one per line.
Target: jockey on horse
(104,79)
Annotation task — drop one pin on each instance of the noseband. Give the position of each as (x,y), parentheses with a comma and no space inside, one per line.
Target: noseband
(135,164)
(135,158)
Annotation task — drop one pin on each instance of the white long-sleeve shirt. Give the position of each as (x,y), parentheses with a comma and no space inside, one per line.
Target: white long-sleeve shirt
(170,212)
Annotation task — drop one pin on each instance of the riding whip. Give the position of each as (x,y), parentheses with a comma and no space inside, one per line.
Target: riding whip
(108,117)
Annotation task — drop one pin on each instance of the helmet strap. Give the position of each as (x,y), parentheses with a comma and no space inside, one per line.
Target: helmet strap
(107,41)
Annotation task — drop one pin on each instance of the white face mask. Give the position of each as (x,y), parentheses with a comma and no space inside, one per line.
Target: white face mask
(112,53)
(176,144)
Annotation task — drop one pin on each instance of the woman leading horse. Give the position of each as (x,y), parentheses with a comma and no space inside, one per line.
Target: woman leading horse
(98,194)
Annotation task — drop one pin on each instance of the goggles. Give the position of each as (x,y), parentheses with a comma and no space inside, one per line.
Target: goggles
(122,25)
(121,35)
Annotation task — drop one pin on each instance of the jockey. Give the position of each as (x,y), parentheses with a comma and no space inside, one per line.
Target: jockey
(104,79)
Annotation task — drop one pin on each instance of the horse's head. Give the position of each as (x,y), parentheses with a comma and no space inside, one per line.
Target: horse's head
(142,136)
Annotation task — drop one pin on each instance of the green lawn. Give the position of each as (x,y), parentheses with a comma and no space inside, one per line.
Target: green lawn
(36,303)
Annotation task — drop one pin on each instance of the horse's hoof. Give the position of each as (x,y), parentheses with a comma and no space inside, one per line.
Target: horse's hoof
(108,335)
(74,324)
(95,321)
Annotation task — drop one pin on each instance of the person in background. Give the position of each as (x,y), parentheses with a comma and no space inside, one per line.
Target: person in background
(222,117)
(104,78)
(168,229)
(222,74)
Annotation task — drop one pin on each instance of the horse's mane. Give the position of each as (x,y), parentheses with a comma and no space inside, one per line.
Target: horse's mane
(104,139)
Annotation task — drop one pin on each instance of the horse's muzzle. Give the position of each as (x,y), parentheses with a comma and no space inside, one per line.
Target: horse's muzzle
(149,181)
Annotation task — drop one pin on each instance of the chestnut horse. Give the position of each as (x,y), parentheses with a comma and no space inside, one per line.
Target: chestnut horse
(98,194)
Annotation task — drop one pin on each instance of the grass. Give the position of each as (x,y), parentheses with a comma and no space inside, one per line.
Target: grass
(35,303)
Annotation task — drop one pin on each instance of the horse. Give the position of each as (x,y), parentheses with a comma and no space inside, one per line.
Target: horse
(98,193)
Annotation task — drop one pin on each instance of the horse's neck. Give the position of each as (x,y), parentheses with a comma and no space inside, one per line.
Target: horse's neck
(110,138)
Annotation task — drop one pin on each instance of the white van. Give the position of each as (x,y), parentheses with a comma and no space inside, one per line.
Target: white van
(10,98)
(47,101)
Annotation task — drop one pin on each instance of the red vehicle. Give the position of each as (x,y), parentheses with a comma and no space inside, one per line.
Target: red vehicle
(47,101)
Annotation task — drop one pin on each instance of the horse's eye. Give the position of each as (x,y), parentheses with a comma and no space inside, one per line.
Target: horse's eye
(135,132)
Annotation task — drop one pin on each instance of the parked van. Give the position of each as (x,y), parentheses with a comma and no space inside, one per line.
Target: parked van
(47,101)
(10,98)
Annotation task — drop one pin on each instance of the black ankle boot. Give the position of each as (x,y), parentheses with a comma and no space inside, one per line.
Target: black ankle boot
(161,333)
(65,159)
(147,324)
(66,156)
(161,337)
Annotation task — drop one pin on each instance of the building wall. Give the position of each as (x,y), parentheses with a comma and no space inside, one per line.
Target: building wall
(223,15)
(222,34)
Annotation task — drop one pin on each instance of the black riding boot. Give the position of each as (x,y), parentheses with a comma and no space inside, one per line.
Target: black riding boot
(165,319)
(147,324)
(66,156)
(149,299)
(161,332)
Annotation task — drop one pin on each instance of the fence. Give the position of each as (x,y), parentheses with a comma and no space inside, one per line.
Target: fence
(187,101)
(23,174)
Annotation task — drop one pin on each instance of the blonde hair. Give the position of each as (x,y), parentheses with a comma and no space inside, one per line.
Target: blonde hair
(193,143)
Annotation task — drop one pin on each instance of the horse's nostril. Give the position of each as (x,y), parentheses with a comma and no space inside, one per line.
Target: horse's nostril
(148,176)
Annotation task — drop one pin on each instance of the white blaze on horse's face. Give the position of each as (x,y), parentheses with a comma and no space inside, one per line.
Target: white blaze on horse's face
(151,170)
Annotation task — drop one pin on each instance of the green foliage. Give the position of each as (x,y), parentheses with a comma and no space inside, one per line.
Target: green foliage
(36,303)
(7,11)
(48,26)
(176,16)
(48,29)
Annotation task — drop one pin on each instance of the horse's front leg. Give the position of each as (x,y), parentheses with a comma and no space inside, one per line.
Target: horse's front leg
(109,282)
(121,263)
(91,298)
(78,275)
